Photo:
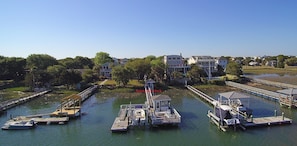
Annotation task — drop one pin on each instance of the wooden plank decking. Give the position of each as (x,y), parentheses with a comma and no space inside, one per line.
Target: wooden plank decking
(267,121)
(120,125)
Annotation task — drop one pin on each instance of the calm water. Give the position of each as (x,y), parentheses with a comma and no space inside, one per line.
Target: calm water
(93,128)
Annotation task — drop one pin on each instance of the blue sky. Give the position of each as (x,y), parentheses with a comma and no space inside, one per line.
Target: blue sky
(138,28)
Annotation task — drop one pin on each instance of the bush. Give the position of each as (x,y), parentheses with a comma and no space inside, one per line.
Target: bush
(217,82)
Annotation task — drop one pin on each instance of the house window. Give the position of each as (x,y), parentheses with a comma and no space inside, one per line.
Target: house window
(158,104)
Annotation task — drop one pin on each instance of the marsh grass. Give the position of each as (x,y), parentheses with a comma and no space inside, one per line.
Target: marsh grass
(269,70)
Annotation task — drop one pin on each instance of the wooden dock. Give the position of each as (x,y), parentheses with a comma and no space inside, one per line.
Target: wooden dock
(41,120)
(66,112)
(71,105)
(201,94)
(267,121)
(121,123)
(245,122)
(283,99)
(15,102)
(272,83)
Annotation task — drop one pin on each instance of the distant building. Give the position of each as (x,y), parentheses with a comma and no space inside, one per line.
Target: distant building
(105,70)
(175,63)
(272,63)
(207,63)
(222,61)
(253,63)
(122,61)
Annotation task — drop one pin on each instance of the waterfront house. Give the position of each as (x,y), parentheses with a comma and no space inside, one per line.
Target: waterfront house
(175,63)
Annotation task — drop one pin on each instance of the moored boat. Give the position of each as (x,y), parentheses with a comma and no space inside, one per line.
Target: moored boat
(19,125)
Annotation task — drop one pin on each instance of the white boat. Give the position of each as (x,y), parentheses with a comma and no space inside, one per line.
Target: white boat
(19,125)
(227,116)
(139,117)
(230,112)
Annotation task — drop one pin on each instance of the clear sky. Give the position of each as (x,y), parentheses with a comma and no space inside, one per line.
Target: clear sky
(138,28)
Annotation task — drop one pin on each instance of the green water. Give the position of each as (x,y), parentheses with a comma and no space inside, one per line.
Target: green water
(93,128)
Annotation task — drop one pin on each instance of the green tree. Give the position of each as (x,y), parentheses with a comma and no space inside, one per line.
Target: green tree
(56,71)
(40,61)
(140,67)
(234,68)
(195,74)
(12,68)
(70,78)
(121,75)
(88,76)
(281,61)
(291,61)
(101,58)
(177,75)
(84,62)
(70,63)
(157,70)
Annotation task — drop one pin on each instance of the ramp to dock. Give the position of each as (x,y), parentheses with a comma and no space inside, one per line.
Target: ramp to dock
(201,94)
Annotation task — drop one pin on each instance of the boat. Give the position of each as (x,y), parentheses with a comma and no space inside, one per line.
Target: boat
(139,117)
(230,112)
(19,125)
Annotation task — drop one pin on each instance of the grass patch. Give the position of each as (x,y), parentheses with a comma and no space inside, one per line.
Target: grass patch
(22,89)
(118,90)
(213,90)
(269,70)
(15,92)
(136,83)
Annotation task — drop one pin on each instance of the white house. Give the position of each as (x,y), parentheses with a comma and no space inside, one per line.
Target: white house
(207,63)
(175,63)
(222,61)
(161,102)
(105,70)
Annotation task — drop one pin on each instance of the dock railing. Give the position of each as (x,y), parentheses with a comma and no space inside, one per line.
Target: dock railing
(201,94)
(283,99)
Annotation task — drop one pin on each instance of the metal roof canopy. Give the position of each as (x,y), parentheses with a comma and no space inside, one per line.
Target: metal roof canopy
(161,97)
(233,95)
(290,91)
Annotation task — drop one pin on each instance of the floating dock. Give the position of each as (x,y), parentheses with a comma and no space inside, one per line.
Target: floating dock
(245,121)
(156,111)
(121,122)
(267,121)
(38,120)
(61,115)
(126,117)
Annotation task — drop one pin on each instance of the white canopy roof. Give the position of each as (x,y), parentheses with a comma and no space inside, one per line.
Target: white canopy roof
(288,91)
(233,95)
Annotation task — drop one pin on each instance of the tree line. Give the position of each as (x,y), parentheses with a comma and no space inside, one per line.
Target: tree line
(42,70)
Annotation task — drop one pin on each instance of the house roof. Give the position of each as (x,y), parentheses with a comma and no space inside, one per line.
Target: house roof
(233,95)
(161,97)
(288,91)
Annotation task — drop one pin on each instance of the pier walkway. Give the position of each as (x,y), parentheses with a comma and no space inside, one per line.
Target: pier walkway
(12,103)
(283,99)
(272,83)
(202,95)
